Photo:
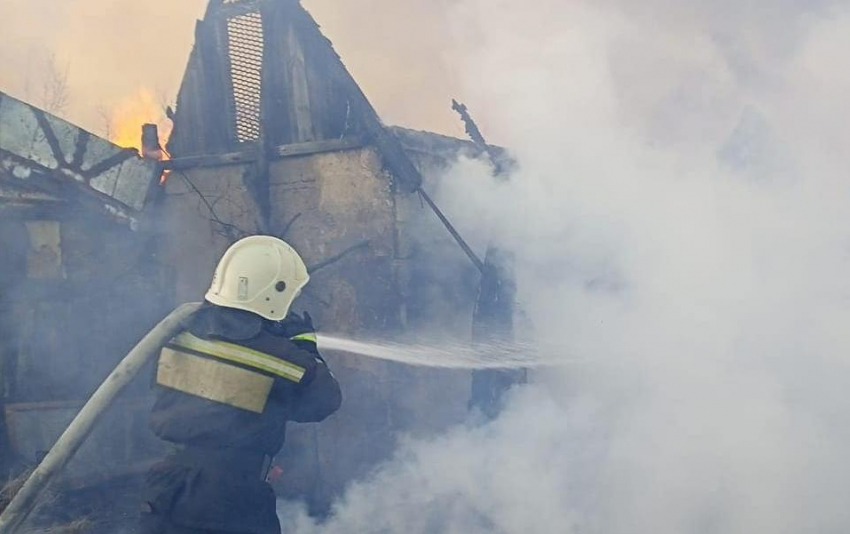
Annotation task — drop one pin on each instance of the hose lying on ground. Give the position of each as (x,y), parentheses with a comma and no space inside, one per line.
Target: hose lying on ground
(77,432)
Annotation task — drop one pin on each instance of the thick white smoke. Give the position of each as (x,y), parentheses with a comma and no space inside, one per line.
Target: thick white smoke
(681,222)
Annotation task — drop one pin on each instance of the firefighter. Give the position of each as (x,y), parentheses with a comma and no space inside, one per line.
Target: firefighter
(226,387)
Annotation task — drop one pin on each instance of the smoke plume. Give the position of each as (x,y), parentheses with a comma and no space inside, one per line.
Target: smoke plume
(680,224)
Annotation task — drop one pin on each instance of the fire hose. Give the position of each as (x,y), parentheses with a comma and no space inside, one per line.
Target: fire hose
(79,429)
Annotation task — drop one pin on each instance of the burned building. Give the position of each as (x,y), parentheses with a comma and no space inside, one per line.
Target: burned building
(272,135)
(79,281)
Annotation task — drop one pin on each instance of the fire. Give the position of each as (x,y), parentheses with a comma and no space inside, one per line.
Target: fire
(127,117)
(125,122)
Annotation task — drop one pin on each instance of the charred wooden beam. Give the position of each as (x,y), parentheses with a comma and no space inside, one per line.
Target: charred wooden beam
(454,233)
(258,184)
(477,137)
(493,322)
(203,117)
(317,147)
(431,143)
(214,160)
(250,155)
(151,148)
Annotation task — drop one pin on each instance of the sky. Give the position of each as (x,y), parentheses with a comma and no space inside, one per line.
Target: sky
(123,56)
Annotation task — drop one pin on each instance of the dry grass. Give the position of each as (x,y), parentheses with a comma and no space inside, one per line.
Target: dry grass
(12,487)
(77,526)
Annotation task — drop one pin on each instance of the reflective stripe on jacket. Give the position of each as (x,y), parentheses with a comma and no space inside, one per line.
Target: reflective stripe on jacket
(230,384)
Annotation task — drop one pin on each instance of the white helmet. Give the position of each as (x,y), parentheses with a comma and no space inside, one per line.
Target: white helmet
(259,274)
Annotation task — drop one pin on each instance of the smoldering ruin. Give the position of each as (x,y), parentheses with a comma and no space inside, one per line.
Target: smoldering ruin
(272,136)
(663,240)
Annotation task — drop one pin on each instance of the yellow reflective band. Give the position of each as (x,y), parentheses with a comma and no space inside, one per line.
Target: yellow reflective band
(305,337)
(241,355)
(214,380)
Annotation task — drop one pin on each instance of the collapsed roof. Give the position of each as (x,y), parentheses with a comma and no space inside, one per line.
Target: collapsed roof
(263,82)
(46,162)
(261,73)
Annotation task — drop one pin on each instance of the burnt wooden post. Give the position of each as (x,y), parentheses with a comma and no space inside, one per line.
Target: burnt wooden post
(151,149)
(493,319)
(493,322)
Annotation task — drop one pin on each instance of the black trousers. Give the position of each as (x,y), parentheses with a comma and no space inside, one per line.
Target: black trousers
(157,524)
(213,491)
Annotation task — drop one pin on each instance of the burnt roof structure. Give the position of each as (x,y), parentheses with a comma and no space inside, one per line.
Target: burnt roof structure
(263,79)
(263,73)
(254,65)
(47,163)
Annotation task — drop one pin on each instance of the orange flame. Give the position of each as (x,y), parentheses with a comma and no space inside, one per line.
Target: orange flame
(126,119)
(128,116)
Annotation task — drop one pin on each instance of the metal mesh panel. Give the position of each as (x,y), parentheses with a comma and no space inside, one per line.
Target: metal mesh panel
(245,51)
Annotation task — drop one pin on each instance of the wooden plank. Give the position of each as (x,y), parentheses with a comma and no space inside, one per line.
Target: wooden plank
(204,115)
(215,160)
(317,147)
(278,116)
(250,156)
(300,92)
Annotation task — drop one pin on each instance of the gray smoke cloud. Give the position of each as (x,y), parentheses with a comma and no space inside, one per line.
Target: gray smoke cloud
(680,223)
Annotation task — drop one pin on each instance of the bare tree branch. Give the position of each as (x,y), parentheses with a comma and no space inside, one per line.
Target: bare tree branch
(106,125)
(55,89)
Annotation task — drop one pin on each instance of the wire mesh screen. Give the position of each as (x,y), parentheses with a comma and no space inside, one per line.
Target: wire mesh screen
(245,54)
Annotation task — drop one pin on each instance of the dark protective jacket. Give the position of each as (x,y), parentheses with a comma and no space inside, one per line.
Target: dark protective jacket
(225,389)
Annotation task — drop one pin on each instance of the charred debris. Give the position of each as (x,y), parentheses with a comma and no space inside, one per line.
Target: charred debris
(271,135)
